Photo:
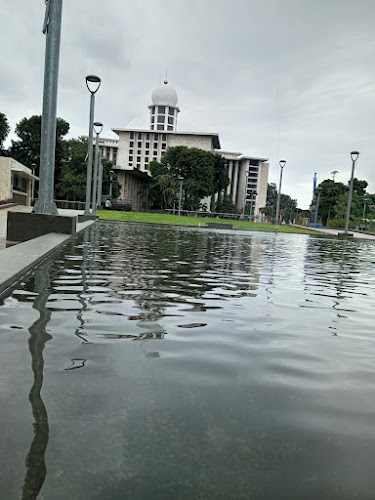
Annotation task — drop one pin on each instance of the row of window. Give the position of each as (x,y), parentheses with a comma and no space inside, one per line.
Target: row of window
(138,164)
(161,119)
(161,127)
(161,110)
(108,152)
(147,145)
(147,136)
(147,151)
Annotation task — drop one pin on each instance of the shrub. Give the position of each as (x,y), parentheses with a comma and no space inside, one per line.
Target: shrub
(340,223)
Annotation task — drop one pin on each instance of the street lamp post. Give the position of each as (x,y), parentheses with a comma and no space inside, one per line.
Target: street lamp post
(93,83)
(181,179)
(364,208)
(112,177)
(282,165)
(98,127)
(244,194)
(100,180)
(319,189)
(354,156)
(52,29)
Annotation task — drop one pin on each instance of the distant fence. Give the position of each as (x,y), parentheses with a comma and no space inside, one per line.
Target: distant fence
(201,213)
(216,215)
(71,205)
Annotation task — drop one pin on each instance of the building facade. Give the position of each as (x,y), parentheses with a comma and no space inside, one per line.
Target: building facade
(137,147)
(16,181)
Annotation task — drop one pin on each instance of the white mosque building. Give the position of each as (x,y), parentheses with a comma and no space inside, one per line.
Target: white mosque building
(136,147)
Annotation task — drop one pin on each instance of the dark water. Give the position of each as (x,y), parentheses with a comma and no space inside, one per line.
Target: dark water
(154,363)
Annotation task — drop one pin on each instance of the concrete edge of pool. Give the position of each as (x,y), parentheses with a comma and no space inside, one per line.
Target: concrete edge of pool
(16,261)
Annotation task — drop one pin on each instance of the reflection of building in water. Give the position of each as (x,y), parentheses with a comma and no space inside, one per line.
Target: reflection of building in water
(161,268)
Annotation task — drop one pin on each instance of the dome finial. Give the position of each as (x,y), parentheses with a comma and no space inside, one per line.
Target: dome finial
(166,76)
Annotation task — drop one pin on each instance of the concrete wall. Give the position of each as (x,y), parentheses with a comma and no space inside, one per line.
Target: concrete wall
(132,189)
(262,185)
(5,178)
(191,141)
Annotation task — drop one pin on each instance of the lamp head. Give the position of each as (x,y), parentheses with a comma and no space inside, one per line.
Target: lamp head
(282,163)
(354,155)
(98,127)
(93,83)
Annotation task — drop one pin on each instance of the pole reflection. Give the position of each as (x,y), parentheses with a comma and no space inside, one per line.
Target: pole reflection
(36,469)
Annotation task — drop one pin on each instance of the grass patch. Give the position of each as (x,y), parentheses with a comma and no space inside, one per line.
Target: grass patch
(178,220)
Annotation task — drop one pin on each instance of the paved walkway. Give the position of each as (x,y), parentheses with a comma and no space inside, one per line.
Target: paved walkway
(18,259)
(336,232)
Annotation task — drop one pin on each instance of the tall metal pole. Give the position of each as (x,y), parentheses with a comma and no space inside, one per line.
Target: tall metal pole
(282,165)
(180,196)
(100,181)
(364,209)
(91,81)
(317,205)
(95,182)
(89,156)
(354,156)
(98,127)
(52,29)
(33,167)
(244,195)
(110,184)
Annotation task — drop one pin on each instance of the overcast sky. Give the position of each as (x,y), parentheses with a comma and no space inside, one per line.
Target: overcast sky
(290,79)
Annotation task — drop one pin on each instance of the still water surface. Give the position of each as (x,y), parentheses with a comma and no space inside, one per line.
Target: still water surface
(145,362)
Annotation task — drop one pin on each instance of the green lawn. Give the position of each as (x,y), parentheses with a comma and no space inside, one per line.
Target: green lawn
(178,220)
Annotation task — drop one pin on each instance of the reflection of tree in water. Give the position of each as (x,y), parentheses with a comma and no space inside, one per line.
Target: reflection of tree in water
(35,461)
(188,263)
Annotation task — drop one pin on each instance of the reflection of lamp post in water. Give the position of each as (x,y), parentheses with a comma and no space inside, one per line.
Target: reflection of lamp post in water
(354,155)
(35,461)
(181,179)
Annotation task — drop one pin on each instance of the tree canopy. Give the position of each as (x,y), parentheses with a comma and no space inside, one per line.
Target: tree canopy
(287,204)
(26,149)
(72,182)
(203,174)
(4,130)
(334,200)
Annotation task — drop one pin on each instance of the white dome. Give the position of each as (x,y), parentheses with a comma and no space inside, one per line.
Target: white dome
(164,95)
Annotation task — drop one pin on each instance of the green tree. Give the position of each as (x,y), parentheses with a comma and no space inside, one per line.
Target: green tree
(359,187)
(4,130)
(224,205)
(202,171)
(287,204)
(72,185)
(329,197)
(26,149)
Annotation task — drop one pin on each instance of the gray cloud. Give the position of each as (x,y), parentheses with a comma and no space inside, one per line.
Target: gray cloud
(278,78)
